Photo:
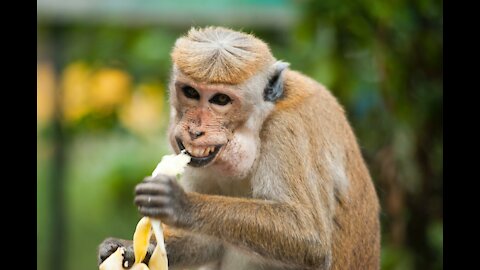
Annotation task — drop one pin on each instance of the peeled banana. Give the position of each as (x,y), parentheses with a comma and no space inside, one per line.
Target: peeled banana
(171,165)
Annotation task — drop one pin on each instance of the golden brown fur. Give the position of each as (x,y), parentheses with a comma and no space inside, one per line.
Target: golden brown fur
(321,127)
(312,202)
(299,215)
(220,55)
(289,188)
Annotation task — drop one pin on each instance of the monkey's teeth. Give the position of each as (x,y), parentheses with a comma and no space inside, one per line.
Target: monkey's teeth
(197,152)
(200,151)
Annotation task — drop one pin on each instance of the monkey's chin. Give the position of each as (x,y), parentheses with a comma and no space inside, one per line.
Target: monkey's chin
(200,161)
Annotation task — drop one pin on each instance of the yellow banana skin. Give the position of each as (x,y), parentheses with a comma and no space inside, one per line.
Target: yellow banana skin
(141,239)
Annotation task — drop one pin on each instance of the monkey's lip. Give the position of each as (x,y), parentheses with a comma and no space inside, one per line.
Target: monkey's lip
(199,161)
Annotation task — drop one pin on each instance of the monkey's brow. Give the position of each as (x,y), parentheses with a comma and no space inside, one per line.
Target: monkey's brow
(181,84)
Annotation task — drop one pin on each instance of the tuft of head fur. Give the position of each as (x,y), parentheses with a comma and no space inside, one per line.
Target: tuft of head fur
(220,55)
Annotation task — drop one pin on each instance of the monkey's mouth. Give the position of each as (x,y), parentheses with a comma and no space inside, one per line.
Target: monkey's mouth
(200,156)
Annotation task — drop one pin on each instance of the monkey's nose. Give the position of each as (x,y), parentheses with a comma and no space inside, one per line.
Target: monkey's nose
(195,134)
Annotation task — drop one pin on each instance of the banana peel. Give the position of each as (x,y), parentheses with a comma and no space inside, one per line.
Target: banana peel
(171,165)
(141,239)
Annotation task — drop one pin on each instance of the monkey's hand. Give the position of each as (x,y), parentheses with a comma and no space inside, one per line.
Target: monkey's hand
(110,245)
(163,198)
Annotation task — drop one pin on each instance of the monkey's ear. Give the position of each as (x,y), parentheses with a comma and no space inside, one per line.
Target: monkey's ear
(274,89)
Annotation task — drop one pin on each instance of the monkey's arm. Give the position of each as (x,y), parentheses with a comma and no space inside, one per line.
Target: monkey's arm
(277,231)
(186,250)
(281,232)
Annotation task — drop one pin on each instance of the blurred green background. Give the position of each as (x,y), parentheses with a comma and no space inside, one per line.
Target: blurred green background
(102,72)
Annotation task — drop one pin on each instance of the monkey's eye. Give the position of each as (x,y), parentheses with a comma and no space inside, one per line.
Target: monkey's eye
(220,99)
(190,92)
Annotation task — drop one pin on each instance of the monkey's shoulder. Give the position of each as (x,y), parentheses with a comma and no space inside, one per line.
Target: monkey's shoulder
(308,112)
(302,92)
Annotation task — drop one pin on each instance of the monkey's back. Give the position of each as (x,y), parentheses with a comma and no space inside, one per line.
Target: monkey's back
(310,110)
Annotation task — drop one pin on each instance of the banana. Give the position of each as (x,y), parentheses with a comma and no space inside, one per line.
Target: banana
(141,238)
(171,165)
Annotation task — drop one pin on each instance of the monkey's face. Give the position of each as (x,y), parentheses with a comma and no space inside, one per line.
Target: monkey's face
(203,122)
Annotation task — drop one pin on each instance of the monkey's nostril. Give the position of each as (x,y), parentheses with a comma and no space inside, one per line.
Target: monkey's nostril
(196,134)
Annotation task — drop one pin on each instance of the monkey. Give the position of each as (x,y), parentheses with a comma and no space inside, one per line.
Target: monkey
(276,178)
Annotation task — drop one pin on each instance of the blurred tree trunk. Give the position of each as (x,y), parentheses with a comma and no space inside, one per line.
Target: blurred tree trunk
(423,205)
(394,202)
(57,201)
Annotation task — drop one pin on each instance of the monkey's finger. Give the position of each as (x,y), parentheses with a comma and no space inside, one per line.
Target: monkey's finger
(152,188)
(128,258)
(151,201)
(156,212)
(107,248)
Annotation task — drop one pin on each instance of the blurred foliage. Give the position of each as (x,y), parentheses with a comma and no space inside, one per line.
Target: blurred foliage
(382,59)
